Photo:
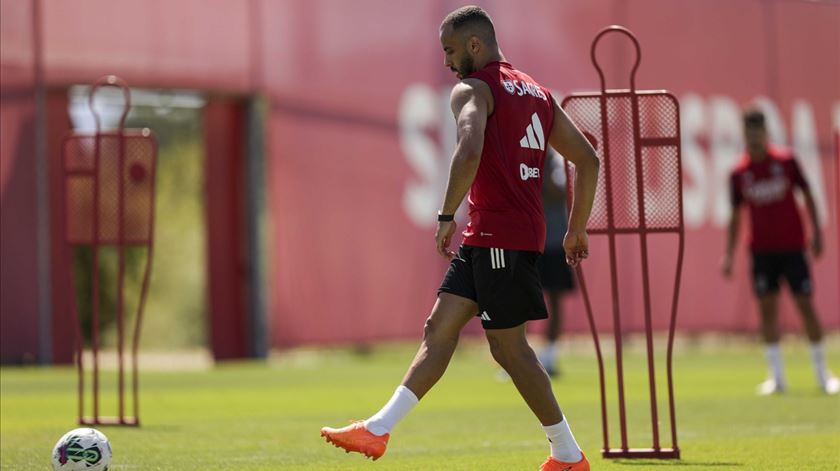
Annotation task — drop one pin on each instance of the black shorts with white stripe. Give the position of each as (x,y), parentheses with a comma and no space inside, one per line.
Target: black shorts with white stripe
(504,283)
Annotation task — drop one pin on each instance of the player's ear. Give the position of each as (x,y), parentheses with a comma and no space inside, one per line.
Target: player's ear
(474,45)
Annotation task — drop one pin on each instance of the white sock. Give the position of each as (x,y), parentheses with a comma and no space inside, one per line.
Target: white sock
(818,358)
(398,407)
(774,360)
(563,445)
(547,355)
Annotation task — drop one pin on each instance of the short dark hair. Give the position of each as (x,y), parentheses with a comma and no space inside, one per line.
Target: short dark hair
(754,118)
(474,18)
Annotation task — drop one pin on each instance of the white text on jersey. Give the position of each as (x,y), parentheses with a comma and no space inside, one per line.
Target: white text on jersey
(526,172)
(515,87)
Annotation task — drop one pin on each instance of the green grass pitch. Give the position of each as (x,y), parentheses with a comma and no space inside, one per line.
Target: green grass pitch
(266,415)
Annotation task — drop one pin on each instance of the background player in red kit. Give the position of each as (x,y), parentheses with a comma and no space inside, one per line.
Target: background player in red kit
(764,181)
(505,121)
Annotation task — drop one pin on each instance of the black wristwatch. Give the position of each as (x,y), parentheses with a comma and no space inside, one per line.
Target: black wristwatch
(445,217)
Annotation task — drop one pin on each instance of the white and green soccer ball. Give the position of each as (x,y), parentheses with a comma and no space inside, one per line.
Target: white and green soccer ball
(82,449)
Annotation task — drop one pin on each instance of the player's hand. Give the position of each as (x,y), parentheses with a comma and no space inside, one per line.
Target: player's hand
(726,265)
(576,245)
(443,235)
(816,244)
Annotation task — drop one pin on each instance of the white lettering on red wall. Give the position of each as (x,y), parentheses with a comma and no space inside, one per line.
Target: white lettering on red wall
(711,145)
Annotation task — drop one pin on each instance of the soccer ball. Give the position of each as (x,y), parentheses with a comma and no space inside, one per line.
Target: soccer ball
(82,449)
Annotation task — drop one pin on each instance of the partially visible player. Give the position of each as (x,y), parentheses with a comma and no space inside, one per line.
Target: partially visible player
(555,273)
(505,121)
(764,181)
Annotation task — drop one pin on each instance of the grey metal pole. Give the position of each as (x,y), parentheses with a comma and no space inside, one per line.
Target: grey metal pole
(255,214)
(42,193)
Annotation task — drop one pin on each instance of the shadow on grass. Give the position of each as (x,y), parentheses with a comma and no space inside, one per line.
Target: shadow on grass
(634,462)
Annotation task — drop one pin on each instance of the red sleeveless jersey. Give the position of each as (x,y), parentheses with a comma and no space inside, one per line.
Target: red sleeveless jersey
(505,203)
(767,189)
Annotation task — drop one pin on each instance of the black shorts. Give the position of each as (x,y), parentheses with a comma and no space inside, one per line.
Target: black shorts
(555,273)
(504,283)
(768,267)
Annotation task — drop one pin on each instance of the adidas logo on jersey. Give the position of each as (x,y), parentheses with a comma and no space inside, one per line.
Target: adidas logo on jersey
(534,137)
(484,316)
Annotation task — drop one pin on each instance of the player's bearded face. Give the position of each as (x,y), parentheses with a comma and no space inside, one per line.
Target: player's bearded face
(465,67)
(457,55)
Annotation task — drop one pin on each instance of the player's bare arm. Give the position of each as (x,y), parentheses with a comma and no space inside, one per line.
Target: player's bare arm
(816,233)
(731,238)
(471,102)
(566,139)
